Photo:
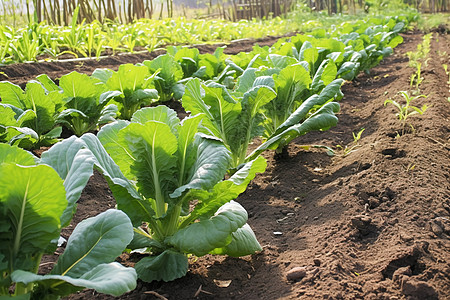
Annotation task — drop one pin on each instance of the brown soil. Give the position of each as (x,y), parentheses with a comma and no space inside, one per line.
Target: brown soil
(373,224)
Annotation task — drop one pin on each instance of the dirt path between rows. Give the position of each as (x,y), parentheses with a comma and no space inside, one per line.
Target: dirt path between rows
(373,224)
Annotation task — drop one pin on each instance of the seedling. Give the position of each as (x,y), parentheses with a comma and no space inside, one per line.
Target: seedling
(447,72)
(353,147)
(406,110)
(409,167)
(416,78)
(417,58)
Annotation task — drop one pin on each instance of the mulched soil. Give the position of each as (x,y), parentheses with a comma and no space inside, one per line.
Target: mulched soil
(373,224)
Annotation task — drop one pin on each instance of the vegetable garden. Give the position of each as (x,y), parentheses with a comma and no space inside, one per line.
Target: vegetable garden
(197,173)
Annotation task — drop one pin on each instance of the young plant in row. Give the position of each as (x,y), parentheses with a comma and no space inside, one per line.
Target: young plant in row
(407,109)
(237,118)
(235,121)
(169,73)
(133,83)
(85,103)
(166,175)
(28,117)
(31,210)
(204,66)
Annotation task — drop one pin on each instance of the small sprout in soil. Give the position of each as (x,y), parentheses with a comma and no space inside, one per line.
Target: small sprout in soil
(330,151)
(409,167)
(447,71)
(353,147)
(406,110)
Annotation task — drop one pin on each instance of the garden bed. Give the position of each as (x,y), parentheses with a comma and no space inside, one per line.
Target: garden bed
(373,224)
(20,74)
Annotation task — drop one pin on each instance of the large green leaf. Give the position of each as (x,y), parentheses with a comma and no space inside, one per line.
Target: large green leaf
(12,94)
(209,166)
(202,237)
(42,105)
(102,74)
(160,113)
(323,119)
(108,136)
(86,261)
(186,156)
(128,77)
(30,206)
(95,241)
(77,85)
(243,242)
(227,190)
(7,116)
(15,155)
(125,193)
(74,165)
(113,279)
(153,146)
(280,61)
(166,266)
(47,83)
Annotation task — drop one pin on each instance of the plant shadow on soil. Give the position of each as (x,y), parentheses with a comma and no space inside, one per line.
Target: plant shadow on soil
(373,224)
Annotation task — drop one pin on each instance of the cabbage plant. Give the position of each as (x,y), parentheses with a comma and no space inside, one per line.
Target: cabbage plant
(169,179)
(86,103)
(28,118)
(254,109)
(133,83)
(32,207)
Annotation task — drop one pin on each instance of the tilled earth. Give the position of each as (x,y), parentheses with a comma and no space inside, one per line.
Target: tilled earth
(372,222)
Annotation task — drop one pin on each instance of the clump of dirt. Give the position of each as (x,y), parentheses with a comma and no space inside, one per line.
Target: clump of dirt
(373,224)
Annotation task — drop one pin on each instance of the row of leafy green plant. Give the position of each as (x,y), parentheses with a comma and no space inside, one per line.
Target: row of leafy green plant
(417,60)
(174,180)
(81,103)
(39,40)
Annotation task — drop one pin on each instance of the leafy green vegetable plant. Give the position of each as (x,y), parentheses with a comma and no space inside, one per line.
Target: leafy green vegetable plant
(86,103)
(166,175)
(31,207)
(169,73)
(234,120)
(406,110)
(132,82)
(238,117)
(29,117)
